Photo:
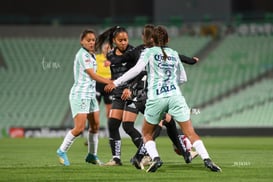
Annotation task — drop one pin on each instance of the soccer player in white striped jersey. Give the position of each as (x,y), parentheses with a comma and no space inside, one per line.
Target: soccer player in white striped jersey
(83,102)
(165,72)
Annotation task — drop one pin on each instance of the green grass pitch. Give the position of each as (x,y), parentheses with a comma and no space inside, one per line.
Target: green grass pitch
(247,159)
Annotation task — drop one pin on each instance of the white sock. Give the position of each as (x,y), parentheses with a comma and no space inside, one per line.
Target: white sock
(67,142)
(93,142)
(151,149)
(201,149)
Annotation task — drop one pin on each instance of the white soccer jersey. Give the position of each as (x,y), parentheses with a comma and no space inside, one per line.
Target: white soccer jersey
(84,87)
(163,75)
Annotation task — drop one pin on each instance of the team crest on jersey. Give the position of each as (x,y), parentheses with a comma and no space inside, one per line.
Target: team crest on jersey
(83,104)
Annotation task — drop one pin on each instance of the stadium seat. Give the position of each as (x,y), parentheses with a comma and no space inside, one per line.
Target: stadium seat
(35,91)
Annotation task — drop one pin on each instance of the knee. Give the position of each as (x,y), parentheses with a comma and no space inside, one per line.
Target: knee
(133,133)
(94,128)
(169,123)
(76,131)
(113,124)
(128,127)
(113,127)
(147,137)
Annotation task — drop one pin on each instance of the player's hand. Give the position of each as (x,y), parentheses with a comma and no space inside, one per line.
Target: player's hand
(109,87)
(126,94)
(196,59)
(107,63)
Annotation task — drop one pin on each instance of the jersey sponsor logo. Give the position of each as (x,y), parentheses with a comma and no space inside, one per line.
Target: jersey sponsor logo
(87,60)
(163,64)
(159,57)
(165,89)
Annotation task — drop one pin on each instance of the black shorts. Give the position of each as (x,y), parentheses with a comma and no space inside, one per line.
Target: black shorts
(134,107)
(100,93)
(141,105)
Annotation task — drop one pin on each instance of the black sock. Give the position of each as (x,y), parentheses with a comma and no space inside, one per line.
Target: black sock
(141,152)
(157,131)
(114,136)
(174,136)
(132,132)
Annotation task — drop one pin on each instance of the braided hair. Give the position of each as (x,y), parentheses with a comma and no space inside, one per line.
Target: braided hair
(161,37)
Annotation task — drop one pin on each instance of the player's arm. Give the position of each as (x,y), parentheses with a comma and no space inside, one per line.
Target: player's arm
(96,77)
(134,86)
(130,74)
(181,73)
(188,60)
(135,82)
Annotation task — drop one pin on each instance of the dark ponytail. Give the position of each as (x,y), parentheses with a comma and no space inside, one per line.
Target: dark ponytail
(161,39)
(147,33)
(108,35)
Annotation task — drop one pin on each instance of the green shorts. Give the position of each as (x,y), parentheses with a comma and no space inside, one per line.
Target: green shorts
(175,106)
(83,106)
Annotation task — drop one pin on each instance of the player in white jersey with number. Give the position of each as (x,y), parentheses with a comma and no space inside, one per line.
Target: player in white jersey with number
(83,102)
(165,71)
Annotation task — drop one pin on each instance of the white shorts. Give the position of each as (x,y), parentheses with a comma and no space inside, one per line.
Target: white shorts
(83,106)
(174,105)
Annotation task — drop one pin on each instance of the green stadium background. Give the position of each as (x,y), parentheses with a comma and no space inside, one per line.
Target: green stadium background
(232,85)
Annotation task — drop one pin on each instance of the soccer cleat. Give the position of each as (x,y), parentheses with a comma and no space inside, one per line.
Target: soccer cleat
(91,158)
(194,154)
(136,163)
(187,157)
(213,167)
(114,162)
(63,158)
(146,160)
(156,163)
